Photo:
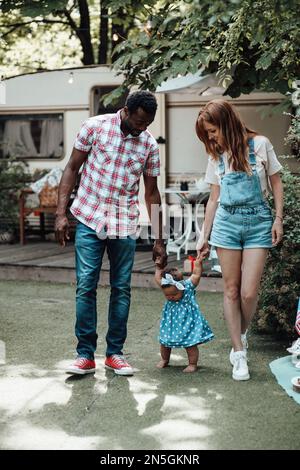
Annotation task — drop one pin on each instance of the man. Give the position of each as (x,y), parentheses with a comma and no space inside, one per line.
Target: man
(115,150)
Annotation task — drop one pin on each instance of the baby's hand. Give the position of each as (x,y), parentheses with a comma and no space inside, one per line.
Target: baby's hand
(198,263)
(197,271)
(199,259)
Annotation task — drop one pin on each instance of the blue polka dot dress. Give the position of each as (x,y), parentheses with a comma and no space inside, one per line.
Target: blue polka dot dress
(182,323)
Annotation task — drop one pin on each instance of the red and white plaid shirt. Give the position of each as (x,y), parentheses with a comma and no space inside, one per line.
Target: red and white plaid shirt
(108,192)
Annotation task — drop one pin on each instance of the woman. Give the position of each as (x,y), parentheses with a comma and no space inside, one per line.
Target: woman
(238,219)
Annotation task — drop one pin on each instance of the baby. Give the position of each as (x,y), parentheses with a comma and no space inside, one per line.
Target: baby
(182,324)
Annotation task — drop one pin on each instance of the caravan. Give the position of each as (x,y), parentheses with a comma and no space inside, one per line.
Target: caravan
(42,112)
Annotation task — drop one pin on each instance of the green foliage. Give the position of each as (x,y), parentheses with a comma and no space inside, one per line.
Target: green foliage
(34,38)
(33,8)
(280,288)
(13,177)
(262,45)
(254,42)
(114,96)
(129,5)
(293,135)
(44,34)
(41,48)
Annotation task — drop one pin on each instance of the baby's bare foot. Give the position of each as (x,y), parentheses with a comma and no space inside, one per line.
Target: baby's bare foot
(190,368)
(162,363)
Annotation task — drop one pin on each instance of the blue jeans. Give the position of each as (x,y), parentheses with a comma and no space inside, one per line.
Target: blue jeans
(89,250)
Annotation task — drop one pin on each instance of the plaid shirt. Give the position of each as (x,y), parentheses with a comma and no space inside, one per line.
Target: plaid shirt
(108,192)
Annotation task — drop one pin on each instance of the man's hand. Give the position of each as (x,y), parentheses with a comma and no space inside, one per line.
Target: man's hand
(159,257)
(62,229)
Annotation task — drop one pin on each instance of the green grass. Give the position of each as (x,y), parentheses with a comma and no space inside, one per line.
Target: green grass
(156,409)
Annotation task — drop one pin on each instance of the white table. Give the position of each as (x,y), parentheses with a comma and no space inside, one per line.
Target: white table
(191,199)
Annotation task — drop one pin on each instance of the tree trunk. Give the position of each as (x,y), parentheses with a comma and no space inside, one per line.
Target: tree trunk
(84,33)
(103,35)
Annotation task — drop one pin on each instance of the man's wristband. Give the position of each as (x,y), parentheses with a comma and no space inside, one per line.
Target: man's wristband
(278,216)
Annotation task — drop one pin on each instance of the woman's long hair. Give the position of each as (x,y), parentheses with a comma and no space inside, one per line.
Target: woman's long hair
(235,134)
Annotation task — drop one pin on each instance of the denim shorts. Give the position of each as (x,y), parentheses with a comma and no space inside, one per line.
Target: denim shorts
(243,227)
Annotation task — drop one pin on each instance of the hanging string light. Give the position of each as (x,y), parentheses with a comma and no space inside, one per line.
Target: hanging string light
(71,78)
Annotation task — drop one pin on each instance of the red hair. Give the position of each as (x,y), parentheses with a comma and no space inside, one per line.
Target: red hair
(234,133)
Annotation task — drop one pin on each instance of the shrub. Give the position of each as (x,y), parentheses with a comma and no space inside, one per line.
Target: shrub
(13,177)
(280,287)
(293,135)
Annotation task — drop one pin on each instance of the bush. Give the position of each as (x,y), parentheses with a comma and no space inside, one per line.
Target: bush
(13,177)
(293,135)
(280,287)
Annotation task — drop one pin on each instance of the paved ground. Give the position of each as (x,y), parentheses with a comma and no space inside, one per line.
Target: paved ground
(43,408)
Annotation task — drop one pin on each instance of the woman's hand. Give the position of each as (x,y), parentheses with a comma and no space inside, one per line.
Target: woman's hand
(198,262)
(200,258)
(277,231)
(203,249)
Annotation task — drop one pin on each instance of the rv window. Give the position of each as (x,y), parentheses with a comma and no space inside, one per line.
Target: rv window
(33,136)
(98,108)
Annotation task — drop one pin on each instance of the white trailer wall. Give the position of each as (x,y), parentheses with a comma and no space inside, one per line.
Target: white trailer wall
(186,157)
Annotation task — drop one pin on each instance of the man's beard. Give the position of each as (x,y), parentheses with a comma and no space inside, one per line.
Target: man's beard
(130,130)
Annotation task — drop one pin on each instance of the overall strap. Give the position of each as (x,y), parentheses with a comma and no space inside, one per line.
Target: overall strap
(252,158)
(221,166)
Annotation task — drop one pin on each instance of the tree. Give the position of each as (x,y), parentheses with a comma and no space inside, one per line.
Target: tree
(253,44)
(37,47)
(92,26)
(55,12)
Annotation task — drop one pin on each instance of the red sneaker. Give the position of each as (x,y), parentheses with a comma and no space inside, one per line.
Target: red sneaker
(82,366)
(118,363)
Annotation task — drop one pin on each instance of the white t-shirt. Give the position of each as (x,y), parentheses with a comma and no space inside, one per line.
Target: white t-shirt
(267,164)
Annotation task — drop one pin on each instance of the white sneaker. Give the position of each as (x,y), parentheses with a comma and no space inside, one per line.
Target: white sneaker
(245,347)
(295,348)
(240,369)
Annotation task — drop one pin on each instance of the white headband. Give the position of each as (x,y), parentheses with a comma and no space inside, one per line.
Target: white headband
(169,280)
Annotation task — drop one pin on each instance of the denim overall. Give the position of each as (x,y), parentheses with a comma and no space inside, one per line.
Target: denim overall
(243,218)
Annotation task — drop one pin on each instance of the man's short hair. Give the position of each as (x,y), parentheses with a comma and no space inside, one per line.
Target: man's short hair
(142,99)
